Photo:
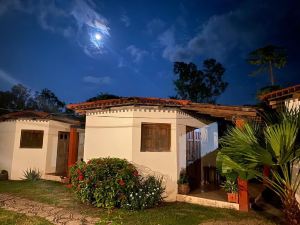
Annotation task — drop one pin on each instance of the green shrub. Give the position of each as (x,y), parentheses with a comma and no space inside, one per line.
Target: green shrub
(32,174)
(147,195)
(230,184)
(109,183)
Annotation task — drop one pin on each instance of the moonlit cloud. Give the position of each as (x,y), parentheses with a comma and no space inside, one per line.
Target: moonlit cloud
(125,19)
(105,80)
(136,53)
(77,20)
(237,31)
(155,25)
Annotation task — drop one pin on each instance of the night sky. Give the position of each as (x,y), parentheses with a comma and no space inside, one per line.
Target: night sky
(82,47)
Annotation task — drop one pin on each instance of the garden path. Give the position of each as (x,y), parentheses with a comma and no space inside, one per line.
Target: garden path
(53,214)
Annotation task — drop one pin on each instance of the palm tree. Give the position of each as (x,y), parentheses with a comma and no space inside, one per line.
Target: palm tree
(246,150)
(266,58)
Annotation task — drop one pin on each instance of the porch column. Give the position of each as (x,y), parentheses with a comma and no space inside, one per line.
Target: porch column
(73,147)
(243,184)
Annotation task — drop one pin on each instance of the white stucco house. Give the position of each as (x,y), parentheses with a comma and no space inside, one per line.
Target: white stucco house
(160,136)
(38,140)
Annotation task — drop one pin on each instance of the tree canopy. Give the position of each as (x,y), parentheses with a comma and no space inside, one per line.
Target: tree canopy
(21,98)
(199,85)
(103,96)
(267,58)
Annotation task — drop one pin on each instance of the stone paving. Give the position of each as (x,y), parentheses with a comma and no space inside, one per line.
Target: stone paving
(53,214)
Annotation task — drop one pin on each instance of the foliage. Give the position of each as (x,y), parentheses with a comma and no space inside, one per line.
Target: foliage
(183,178)
(246,150)
(230,184)
(32,174)
(21,98)
(109,182)
(199,85)
(103,96)
(147,194)
(266,58)
(47,101)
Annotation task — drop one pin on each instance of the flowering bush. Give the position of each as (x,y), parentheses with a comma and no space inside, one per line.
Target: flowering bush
(146,195)
(111,182)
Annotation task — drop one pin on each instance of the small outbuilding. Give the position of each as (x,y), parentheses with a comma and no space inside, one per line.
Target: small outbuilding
(41,141)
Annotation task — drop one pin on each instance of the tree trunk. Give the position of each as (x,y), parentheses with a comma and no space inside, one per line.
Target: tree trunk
(291,209)
(271,73)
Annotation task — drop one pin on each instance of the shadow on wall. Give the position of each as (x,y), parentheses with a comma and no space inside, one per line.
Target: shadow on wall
(167,182)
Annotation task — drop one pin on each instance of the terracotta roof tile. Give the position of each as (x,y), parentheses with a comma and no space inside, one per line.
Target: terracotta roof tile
(25,114)
(200,108)
(127,101)
(280,93)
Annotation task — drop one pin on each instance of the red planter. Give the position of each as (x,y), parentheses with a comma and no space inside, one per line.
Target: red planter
(233,197)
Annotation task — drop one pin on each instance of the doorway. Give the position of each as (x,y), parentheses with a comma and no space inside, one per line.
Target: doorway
(193,156)
(62,153)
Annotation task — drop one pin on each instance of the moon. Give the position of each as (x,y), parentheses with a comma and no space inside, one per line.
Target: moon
(98,36)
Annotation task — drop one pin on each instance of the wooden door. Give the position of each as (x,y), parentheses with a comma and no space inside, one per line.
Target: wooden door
(193,156)
(62,153)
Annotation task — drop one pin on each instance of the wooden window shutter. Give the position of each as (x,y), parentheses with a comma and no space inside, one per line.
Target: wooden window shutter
(31,139)
(155,137)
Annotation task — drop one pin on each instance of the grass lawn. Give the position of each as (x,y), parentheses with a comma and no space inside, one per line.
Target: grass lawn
(13,218)
(168,214)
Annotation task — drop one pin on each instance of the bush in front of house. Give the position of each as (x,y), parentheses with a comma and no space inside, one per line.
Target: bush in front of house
(109,183)
(147,194)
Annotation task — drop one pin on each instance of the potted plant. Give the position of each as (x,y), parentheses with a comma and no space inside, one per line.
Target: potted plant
(231,187)
(183,183)
(3,175)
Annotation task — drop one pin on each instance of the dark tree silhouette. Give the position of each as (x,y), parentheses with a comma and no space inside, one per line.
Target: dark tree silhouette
(21,98)
(267,58)
(199,85)
(47,101)
(103,96)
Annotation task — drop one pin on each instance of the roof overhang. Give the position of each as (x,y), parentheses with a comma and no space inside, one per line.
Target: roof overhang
(212,110)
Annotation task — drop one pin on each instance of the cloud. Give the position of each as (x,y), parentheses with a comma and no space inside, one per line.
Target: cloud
(136,53)
(77,20)
(8,78)
(172,51)
(237,31)
(125,19)
(155,25)
(105,80)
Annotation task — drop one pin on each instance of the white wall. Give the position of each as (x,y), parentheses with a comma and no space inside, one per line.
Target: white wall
(54,128)
(25,158)
(292,103)
(209,138)
(117,133)
(7,141)
(109,134)
(80,155)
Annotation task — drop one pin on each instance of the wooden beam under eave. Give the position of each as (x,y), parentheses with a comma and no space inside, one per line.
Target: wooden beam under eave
(215,112)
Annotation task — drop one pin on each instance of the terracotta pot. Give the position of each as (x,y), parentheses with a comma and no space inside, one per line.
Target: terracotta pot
(183,189)
(3,175)
(233,197)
